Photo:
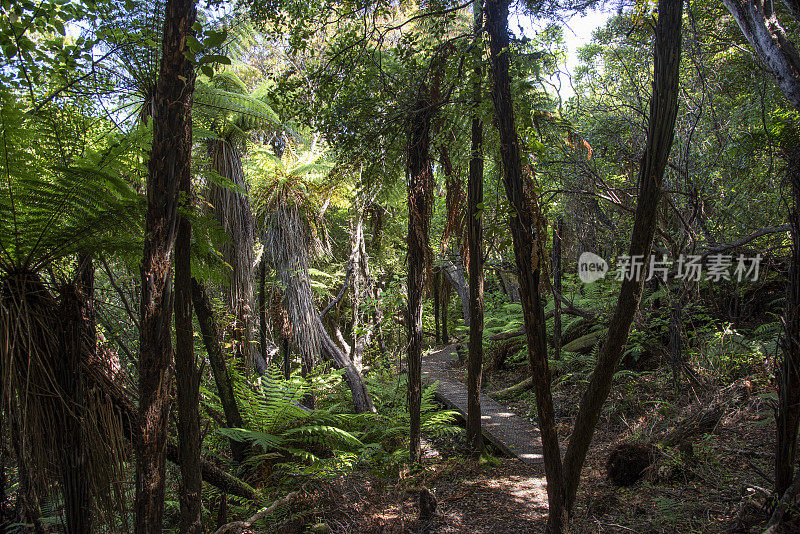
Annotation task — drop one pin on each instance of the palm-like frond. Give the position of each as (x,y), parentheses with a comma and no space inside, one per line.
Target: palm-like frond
(223,103)
(48,212)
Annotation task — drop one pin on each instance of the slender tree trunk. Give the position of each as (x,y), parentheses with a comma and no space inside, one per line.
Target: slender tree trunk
(187,377)
(788,414)
(262,310)
(444,302)
(356,239)
(558,273)
(436,283)
(660,133)
(363,282)
(287,358)
(475,236)
(169,162)
(526,233)
(454,274)
(222,511)
(420,182)
(74,337)
(211,340)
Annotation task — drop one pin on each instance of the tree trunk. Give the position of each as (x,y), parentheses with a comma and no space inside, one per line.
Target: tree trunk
(262,310)
(211,337)
(363,283)
(331,352)
(420,182)
(356,240)
(660,133)
(232,211)
(558,274)
(444,302)
(454,273)
(187,377)
(760,26)
(287,358)
(526,232)
(437,277)
(475,237)
(75,334)
(788,415)
(675,337)
(169,162)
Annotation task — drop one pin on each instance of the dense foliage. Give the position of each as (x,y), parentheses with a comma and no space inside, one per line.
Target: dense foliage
(330,149)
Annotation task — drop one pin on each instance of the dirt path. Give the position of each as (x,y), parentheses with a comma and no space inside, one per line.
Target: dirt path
(472,498)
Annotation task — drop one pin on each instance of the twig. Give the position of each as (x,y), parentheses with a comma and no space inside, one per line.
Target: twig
(758,470)
(259,515)
(747,452)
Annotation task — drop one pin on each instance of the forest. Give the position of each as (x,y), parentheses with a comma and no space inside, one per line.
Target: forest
(381,266)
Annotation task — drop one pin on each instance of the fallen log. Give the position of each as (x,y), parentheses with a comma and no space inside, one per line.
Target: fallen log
(502,336)
(515,389)
(217,477)
(261,514)
(586,343)
(705,419)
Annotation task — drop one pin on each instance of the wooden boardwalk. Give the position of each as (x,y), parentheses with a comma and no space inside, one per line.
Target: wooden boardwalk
(515,436)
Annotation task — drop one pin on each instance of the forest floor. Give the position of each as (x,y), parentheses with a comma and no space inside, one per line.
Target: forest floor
(716,480)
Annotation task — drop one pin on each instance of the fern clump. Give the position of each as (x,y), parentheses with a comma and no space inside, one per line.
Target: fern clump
(289,440)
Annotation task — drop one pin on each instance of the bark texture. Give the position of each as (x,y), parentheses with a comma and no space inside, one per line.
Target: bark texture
(331,352)
(454,274)
(74,337)
(526,234)
(762,29)
(420,182)
(557,275)
(187,377)
(169,162)
(475,238)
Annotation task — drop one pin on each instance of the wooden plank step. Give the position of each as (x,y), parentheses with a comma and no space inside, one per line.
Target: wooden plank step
(515,436)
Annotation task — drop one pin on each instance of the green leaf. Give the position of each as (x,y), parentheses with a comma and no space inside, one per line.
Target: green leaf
(215,58)
(193,44)
(215,38)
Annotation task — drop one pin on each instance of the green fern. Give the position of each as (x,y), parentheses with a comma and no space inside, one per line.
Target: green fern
(48,210)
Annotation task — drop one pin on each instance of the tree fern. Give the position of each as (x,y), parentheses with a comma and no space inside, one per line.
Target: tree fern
(49,211)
